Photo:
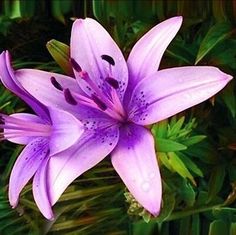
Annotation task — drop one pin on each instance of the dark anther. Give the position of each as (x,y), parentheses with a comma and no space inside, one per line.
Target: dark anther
(69,98)
(75,65)
(56,84)
(99,103)
(112,82)
(109,59)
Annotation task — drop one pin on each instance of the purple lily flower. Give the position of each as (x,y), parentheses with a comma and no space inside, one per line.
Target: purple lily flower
(45,134)
(115,101)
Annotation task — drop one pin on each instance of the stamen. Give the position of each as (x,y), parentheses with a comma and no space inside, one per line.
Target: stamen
(56,84)
(75,65)
(109,59)
(69,98)
(112,82)
(99,103)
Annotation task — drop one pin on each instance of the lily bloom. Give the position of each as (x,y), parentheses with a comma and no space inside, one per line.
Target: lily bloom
(115,100)
(45,134)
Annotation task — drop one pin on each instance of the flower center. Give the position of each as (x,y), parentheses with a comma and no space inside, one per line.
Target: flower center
(14,127)
(107,102)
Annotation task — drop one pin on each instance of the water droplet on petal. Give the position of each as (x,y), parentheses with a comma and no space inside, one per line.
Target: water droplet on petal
(145,186)
(151,175)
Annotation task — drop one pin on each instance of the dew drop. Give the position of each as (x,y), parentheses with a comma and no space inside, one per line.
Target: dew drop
(151,175)
(145,186)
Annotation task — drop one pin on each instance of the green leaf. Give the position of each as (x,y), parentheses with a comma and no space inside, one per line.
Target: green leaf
(218,227)
(193,140)
(229,99)
(61,54)
(215,35)
(160,129)
(190,164)
(165,161)
(232,229)
(216,181)
(195,225)
(165,145)
(178,165)
(174,130)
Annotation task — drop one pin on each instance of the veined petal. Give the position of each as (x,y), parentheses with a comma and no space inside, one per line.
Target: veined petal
(95,51)
(135,161)
(145,57)
(65,167)
(8,78)
(25,167)
(27,118)
(66,130)
(38,84)
(170,91)
(40,190)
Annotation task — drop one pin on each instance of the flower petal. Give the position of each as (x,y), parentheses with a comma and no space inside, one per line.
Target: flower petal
(66,130)
(95,51)
(135,161)
(145,57)
(38,84)
(70,164)
(171,91)
(25,167)
(40,190)
(27,118)
(8,78)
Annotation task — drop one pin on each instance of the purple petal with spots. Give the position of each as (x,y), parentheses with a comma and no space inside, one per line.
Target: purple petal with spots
(25,167)
(27,118)
(8,78)
(94,146)
(38,84)
(40,190)
(89,37)
(66,130)
(135,161)
(171,91)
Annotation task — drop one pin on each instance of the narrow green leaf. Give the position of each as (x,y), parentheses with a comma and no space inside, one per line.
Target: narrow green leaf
(218,227)
(178,165)
(229,99)
(166,145)
(160,129)
(165,161)
(195,225)
(232,229)
(216,181)
(174,130)
(193,140)
(190,164)
(215,35)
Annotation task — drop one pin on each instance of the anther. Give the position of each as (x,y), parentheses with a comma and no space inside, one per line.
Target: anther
(109,59)
(75,65)
(99,103)
(112,82)
(69,98)
(56,84)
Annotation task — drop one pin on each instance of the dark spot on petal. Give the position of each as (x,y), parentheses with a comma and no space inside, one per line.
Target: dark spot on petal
(69,98)
(109,59)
